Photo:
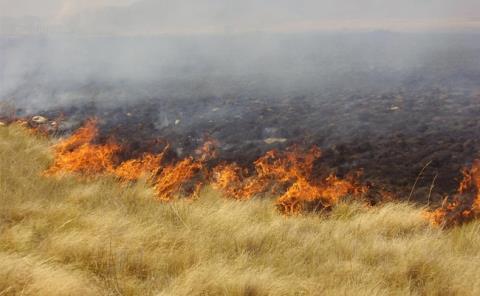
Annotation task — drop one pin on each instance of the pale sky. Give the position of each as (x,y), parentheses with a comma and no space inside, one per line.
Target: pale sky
(198,16)
(51,8)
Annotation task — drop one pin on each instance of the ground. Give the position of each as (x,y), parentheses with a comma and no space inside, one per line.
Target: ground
(72,236)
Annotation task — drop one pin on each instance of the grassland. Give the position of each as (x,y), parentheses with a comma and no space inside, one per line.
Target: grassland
(68,236)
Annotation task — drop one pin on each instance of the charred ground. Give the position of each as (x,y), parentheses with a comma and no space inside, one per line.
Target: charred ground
(391,137)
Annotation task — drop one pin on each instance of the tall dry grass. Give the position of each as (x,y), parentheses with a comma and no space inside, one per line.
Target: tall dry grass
(66,236)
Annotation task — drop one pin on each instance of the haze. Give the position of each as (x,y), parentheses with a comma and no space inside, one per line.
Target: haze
(62,51)
(146,17)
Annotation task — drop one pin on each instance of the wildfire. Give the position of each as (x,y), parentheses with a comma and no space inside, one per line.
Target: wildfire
(78,154)
(289,174)
(186,177)
(179,180)
(229,178)
(465,205)
(147,166)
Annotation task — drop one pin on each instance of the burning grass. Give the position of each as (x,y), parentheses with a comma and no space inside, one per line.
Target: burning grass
(78,153)
(98,236)
(287,174)
(465,205)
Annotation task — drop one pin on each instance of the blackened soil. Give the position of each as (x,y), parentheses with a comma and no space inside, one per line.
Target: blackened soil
(391,136)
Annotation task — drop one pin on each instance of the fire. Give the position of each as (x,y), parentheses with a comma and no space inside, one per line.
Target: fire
(78,154)
(236,182)
(147,166)
(325,193)
(186,177)
(230,180)
(465,206)
(289,174)
(179,179)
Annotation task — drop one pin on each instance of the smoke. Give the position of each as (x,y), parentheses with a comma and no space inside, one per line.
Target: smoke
(61,52)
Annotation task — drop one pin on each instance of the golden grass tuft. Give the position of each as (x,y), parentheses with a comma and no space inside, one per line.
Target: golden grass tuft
(67,236)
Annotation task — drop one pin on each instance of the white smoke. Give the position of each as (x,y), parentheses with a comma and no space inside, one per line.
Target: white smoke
(64,51)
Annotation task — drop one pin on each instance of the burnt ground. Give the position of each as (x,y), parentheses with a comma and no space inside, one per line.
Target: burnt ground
(390,136)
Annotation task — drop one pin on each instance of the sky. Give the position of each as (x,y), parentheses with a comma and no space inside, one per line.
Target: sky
(145,17)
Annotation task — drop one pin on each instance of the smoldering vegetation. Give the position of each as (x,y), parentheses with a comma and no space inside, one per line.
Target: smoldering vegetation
(387,103)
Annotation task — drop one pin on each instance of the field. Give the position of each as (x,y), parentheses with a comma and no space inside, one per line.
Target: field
(71,236)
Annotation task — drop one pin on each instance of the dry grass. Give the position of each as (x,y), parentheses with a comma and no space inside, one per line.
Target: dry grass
(63,236)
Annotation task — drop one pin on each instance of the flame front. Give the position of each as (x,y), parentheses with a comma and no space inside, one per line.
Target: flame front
(78,154)
(464,206)
(178,179)
(147,166)
(287,174)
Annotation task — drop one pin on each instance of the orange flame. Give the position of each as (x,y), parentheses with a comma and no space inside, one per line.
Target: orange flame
(77,154)
(147,166)
(465,206)
(186,177)
(288,173)
(177,179)
(325,193)
(235,183)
